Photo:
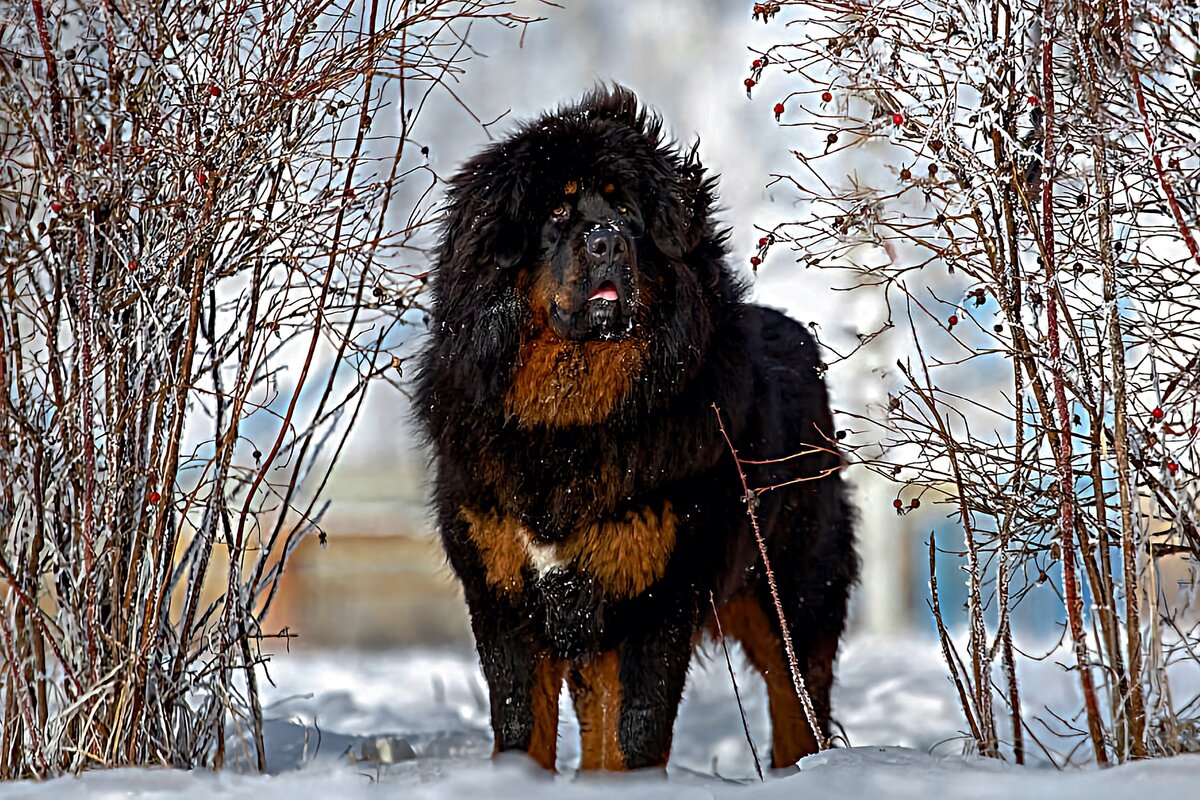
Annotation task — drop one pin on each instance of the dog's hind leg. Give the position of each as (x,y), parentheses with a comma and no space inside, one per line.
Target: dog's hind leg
(757,628)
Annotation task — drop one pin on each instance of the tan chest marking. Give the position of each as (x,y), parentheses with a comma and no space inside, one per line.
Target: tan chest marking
(500,542)
(560,382)
(625,556)
(629,555)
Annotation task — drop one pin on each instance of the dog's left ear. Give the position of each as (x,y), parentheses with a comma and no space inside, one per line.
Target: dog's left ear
(678,222)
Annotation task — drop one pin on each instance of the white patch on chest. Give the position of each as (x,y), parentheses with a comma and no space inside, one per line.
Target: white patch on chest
(542,557)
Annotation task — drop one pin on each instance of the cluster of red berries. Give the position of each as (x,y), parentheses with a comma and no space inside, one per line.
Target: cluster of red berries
(898,504)
(763,243)
(765,10)
(756,68)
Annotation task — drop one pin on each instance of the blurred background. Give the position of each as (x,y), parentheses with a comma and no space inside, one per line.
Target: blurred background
(381,580)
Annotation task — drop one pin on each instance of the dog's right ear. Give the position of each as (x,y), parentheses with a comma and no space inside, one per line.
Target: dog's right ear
(678,224)
(480,233)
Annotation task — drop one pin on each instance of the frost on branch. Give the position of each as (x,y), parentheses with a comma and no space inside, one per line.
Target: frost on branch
(1018,184)
(206,249)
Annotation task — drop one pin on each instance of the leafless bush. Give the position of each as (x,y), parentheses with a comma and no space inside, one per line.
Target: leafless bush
(200,270)
(1025,179)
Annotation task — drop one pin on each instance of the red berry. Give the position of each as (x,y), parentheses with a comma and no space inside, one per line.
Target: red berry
(133,264)
(778,110)
(105,149)
(826,97)
(897,504)
(154,497)
(1172,467)
(749,83)
(763,242)
(214,90)
(756,64)
(1033,100)
(1158,413)
(755,261)
(201,178)
(56,207)
(914,503)
(897,118)
(953,320)
(905,174)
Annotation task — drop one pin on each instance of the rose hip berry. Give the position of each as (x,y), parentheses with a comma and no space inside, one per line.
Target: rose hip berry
(897,504)
(1158,413)
(826,97)
(897,118)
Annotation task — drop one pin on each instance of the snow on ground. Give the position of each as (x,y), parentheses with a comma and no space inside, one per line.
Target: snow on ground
(428,710)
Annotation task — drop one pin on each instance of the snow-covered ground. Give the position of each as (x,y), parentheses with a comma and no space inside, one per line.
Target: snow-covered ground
(426,711)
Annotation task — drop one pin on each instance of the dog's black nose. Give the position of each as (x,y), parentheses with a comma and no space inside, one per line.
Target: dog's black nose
(606,244)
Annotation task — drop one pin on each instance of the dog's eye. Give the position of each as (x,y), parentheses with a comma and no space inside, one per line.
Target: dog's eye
(562,213)
(622,210)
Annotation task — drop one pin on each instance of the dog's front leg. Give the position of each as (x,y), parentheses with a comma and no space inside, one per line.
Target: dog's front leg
(523,684)
(627,699)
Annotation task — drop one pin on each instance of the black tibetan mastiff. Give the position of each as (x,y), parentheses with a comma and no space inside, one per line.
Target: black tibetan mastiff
(584,325)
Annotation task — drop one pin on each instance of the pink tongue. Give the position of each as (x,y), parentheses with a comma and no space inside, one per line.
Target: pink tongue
(606,292)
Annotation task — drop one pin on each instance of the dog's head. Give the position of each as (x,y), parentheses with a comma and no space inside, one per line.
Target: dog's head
(587,281)
(588,214)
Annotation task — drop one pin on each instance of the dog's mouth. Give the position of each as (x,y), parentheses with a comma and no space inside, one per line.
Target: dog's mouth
(605,291)
(603,311)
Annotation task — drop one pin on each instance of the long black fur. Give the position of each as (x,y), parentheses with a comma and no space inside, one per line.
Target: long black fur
(705,345)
